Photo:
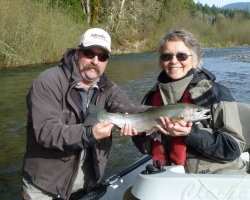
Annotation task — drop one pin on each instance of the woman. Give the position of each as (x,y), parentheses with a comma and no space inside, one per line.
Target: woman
(209,146)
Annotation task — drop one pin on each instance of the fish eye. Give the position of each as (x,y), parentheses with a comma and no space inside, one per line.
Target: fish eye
(199,110)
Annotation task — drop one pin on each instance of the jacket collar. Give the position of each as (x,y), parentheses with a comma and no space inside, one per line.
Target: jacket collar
(68,65)
(194,80)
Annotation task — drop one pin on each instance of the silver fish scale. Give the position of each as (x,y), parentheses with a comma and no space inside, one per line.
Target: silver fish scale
(148,119)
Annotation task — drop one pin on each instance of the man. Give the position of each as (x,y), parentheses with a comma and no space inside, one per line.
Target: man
(62,155)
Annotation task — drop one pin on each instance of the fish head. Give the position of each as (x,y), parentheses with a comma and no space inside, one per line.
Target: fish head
(195,113)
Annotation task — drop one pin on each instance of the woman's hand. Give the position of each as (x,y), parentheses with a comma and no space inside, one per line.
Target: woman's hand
(174,127)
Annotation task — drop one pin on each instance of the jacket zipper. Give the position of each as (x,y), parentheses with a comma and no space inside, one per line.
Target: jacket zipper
(67,194)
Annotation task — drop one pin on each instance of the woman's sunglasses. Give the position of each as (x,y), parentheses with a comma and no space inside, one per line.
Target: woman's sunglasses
(102,57)
(179,56)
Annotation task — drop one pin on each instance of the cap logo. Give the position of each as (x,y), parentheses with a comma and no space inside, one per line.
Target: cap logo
(95,35)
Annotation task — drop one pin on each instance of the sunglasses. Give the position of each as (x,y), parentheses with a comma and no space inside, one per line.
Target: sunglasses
(102,57)
(179,56)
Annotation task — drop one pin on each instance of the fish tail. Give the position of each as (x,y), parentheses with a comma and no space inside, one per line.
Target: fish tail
(92,117)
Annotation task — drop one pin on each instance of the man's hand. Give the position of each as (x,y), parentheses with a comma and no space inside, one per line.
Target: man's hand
(102,130)
(127,130)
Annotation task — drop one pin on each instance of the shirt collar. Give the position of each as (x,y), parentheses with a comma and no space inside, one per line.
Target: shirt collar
(95,86)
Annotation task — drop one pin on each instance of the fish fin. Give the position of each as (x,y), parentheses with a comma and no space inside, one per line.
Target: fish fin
(153,133)
(92,118)
(150,131)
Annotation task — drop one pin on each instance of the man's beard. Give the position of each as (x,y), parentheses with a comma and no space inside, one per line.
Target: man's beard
(91,66)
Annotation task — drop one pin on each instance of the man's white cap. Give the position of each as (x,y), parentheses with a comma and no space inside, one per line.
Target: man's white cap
(95,37)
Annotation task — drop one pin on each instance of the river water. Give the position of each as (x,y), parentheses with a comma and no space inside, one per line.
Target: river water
(134,73)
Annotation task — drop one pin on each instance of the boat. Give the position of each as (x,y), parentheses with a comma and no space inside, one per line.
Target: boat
(171,182)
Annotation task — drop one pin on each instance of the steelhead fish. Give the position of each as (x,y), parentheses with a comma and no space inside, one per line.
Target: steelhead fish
(147,120)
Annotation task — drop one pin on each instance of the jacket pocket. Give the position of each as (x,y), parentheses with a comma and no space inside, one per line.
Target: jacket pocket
(67,156)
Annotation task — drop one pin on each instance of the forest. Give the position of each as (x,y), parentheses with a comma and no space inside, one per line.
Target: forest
(39,31)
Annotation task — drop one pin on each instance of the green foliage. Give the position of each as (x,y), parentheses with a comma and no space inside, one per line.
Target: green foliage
(33,33)
(72,8)
(215,11)
(39,31)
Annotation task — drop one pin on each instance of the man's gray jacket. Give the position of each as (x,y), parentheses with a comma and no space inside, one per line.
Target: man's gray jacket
(55,134)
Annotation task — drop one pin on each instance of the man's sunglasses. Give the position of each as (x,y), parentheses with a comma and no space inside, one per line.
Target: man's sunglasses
(179,56)
(102,57)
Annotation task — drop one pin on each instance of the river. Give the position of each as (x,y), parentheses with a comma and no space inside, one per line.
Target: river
(134,73)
